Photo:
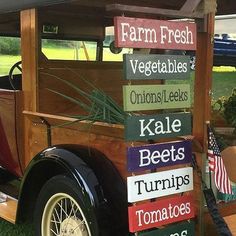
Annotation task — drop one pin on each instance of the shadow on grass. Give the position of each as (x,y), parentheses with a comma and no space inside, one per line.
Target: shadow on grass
(8,229)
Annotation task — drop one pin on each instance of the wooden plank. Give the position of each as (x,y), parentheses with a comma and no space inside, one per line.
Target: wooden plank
(29,54)
(162,212)
(147,33)
(110,146)
(102,128)
(230,221)
(190,5)
(9,155)
(157,126)
(154,97)
(202,106)
(148,67)
(8,210)
(182,229)
(100,74)
(147,157)
(203,82)
(129,9)
(159,184)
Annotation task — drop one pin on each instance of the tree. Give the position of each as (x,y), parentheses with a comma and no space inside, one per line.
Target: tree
(9,46)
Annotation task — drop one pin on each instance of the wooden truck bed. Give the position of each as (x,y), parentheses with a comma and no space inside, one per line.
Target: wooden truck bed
(106,138)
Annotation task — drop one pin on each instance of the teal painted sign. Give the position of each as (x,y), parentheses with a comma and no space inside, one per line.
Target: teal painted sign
(147,67)
(183,229)
(152,97)
(138,128)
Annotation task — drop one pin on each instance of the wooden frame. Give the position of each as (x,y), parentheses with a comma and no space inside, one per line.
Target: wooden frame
(187,10)
(29,53)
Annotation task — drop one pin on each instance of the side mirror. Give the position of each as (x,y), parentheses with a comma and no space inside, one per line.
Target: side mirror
(114,49)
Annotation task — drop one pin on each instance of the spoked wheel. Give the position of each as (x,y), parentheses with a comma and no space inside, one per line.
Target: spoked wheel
(63,216)
(60,210)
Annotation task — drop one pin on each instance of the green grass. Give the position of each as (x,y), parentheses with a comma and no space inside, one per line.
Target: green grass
(6,62)
(69,54)
(223,83)
(8,229)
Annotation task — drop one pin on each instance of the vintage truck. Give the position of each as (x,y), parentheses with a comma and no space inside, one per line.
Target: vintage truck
(62,147)
(224,52)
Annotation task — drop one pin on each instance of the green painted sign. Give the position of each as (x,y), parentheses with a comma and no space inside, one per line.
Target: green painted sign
(152,97)
(183,229)
(154,66)
(138,128)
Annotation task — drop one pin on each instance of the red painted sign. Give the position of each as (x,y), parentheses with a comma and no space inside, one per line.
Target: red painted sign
(148,33)
(161,212)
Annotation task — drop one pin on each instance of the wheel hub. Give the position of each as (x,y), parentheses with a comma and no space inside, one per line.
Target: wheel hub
(73,227)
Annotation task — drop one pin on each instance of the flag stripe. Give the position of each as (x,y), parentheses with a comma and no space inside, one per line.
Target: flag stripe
(216,165)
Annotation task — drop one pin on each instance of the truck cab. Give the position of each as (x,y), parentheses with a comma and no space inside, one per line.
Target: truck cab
(33,153)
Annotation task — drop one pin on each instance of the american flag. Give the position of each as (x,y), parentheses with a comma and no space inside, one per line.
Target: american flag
(217,166)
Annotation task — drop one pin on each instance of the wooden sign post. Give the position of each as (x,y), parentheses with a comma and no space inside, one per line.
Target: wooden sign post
(157,34)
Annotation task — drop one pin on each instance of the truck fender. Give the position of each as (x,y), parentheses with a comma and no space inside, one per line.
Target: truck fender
(103,187)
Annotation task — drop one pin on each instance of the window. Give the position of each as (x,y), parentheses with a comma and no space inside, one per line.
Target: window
(69,50)
(108,55)
(9,54)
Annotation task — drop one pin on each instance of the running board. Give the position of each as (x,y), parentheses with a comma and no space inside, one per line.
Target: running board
(8,210)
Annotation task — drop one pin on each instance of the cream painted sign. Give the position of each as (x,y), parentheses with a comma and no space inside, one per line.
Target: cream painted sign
(148,186)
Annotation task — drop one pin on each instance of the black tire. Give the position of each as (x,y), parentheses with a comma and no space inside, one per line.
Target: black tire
(61,192)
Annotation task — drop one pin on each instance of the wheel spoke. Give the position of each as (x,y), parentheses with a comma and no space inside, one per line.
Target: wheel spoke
(60,204)
(58,217)
(55,223)
(75,210)
(72,210)
(65,200)
(66,211)
(54,232)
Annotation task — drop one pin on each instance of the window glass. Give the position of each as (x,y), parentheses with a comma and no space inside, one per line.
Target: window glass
(9,54)
(69,50)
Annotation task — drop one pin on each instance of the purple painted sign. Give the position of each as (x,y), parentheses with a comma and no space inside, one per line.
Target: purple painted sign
(159,155)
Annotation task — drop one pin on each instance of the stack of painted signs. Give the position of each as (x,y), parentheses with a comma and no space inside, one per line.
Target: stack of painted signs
(146,217)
